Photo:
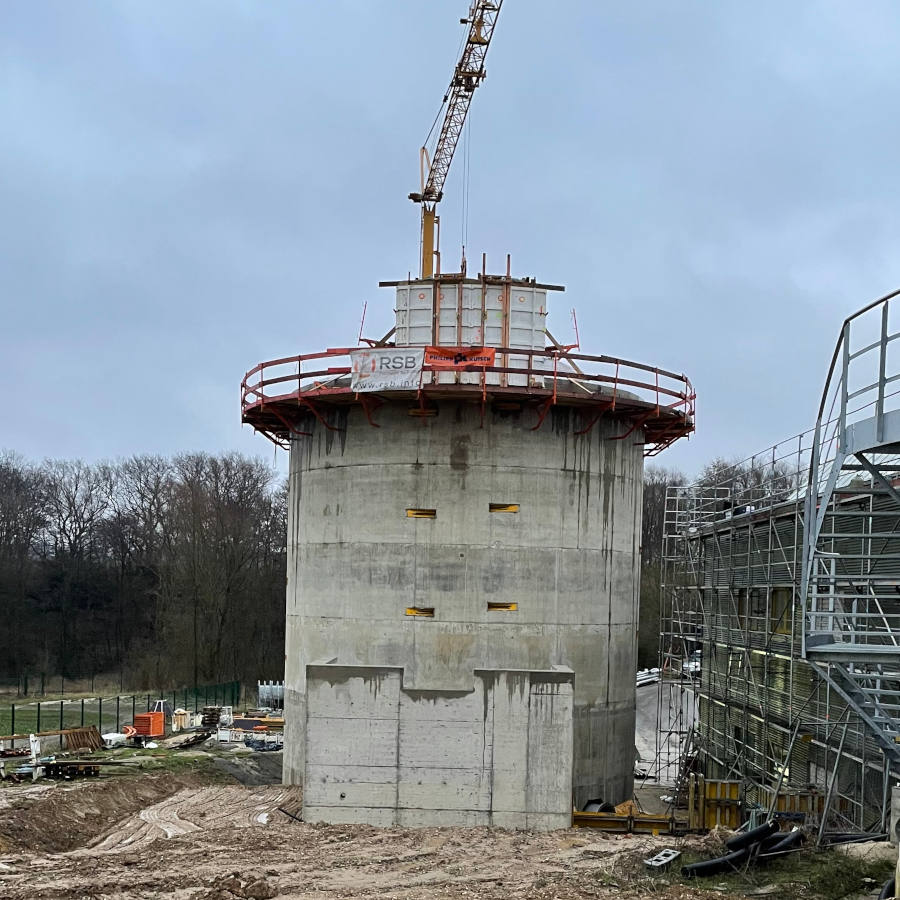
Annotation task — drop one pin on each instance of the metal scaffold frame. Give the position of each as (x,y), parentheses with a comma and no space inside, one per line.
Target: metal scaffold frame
(784,572)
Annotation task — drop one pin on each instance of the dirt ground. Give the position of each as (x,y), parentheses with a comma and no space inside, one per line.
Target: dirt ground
(199,837)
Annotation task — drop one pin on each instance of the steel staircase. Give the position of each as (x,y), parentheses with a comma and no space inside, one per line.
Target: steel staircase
(851,554)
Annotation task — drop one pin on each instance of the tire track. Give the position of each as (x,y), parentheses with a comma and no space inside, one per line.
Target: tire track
(188,811)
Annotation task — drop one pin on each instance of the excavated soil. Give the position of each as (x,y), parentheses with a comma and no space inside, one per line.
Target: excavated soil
(177,837)
(58,817)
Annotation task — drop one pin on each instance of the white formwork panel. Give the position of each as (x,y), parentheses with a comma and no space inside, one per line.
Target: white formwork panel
(494,317)
(415,313)
(449,315)
(527,312)
(473,315)
(524,330)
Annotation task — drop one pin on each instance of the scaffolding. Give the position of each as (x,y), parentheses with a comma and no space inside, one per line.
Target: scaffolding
(780,615)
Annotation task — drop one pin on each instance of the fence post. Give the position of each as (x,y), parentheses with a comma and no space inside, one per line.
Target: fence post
(100,715)
(148,703)
(38,727)
(133,707)
(82,712)
(61,715)
(118,698)
(174,704)
(12,729)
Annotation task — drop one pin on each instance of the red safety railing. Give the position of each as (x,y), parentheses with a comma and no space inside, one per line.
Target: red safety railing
(552,375)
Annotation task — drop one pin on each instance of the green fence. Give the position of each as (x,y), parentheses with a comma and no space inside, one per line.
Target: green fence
(109,713)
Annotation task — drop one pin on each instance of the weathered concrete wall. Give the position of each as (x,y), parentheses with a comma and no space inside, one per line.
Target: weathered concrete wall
(381,754)
(569,558)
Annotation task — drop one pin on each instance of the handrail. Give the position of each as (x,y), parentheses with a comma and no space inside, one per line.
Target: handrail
(667,390)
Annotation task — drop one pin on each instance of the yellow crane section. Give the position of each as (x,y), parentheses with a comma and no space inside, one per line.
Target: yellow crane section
(468,74)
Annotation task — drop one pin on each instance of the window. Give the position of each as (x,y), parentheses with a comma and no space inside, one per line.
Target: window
(503,507)
(425,611)
(421,513)
(503,607)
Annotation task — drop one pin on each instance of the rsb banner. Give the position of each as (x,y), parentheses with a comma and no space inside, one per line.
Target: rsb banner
(391,368)
(459,358)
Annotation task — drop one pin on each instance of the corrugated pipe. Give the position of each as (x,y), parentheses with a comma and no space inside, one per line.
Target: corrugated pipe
(754,836)
(787,843)
(740,846)
(889,890)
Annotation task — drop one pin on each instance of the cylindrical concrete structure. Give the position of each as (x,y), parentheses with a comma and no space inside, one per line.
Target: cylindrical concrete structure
(465,539)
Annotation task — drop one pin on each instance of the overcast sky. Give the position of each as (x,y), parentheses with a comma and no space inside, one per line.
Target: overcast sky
(188,187)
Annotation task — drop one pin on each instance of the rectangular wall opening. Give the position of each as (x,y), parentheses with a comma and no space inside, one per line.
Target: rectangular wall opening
(426,611)
(421,513)
(502,607)
(503,507)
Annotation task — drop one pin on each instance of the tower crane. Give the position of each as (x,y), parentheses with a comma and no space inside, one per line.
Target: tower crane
(468,75)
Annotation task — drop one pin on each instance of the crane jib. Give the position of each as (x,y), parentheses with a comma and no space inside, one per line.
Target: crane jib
(467,75)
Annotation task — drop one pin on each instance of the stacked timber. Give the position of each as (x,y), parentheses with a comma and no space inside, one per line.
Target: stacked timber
(211,716)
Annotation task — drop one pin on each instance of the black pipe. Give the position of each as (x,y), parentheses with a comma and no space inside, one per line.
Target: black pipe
(787,843)
(748,838)
(715,866)
(889,890)
(766,845)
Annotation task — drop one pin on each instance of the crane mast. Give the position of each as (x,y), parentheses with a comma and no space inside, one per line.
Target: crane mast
(467,75)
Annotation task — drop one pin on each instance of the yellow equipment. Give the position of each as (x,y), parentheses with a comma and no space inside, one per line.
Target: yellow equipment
(468,74)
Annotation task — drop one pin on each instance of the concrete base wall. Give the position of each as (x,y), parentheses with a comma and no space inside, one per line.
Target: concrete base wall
(381,754)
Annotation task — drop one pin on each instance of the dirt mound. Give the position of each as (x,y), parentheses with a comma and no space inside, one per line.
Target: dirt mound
(66,816)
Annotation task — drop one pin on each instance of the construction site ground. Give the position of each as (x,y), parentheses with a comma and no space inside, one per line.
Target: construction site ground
(214,825)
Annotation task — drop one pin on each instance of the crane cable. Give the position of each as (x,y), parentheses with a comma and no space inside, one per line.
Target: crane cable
(467,168)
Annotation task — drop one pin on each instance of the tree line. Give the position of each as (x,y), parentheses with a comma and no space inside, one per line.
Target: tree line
(169,572)
(161,572)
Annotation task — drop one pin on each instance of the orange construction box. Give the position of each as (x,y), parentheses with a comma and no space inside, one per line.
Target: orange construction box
(151,724)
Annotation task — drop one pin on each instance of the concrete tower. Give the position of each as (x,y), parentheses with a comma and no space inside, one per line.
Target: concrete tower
(465,507)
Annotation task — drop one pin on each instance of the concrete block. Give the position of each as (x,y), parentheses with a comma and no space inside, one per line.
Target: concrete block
(441,818)
(351,742)
(448,745)
(431,788)
(549,821)
(353,693)
(497,754)
(323,791)
(510,820)
(441,706)
(339,815)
